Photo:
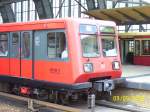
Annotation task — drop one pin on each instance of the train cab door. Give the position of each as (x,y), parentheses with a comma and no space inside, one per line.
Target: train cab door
(26,55)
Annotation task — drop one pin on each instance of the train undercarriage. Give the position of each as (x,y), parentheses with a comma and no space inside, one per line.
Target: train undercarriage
(60,96)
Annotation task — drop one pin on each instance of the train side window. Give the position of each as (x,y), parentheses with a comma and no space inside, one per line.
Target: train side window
(3,45)
(146,47)
(26,45)
(15,45)
(56,44)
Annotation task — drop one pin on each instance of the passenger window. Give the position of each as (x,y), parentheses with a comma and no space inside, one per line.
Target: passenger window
(146,47)
(57,48)
(15,45)
(137,47)
(3,45)
(26,45)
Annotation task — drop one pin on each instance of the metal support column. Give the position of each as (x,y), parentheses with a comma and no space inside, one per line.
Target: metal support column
(28,10)
(79,9)
(127,27)
(141,28)
(60,9)
(21,10)
(90,4)
(101,4)
(44,8)
(7,13)
(69,8)
(114,3)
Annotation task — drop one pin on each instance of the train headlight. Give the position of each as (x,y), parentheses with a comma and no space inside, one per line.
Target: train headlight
(88,67)
(116,65)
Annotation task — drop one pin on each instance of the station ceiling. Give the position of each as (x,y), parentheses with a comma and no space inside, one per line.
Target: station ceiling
(123,16)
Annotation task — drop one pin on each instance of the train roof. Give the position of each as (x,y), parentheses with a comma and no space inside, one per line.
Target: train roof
(49,23)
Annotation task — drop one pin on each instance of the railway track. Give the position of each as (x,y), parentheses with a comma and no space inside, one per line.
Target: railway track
(80,107)
(32,102)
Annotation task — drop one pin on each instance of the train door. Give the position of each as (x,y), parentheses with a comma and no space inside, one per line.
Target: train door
(15,54)
(21,55)
(26,54)
(127,51)
(51,56)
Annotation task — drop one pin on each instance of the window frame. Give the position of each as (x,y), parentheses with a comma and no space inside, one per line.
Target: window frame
(115,42)
(92,25)
(114,34)
(131,46)
(97,38)
(30,32)
(98,43)
(142,47)
(66,38)
(107,33)
(139,41)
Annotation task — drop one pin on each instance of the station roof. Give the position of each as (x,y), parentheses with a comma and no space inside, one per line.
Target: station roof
(123,16)
(133,34)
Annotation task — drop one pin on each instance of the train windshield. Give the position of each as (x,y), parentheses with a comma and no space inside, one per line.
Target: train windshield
(108,41)
(109,46)
(89,45)
(89,41)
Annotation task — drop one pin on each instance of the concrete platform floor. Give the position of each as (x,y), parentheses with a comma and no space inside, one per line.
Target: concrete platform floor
(135,70)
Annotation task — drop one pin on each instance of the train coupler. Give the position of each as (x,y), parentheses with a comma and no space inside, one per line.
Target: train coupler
(104,85)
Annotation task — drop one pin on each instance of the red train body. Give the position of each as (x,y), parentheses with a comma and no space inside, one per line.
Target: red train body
(32,52)
(142,50)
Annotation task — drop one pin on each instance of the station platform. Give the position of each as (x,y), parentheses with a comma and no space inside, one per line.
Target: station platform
(134,86)
(136,77)
(138,82)
(134,70)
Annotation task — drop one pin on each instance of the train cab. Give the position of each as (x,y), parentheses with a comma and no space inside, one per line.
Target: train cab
(99,51)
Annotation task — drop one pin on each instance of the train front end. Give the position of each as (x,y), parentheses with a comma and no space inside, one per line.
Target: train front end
(99,61)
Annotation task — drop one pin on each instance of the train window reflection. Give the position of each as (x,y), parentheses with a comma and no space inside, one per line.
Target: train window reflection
(57,47)
(89,45)
(3,45)
(26,45)
(109,46)
(15,44)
